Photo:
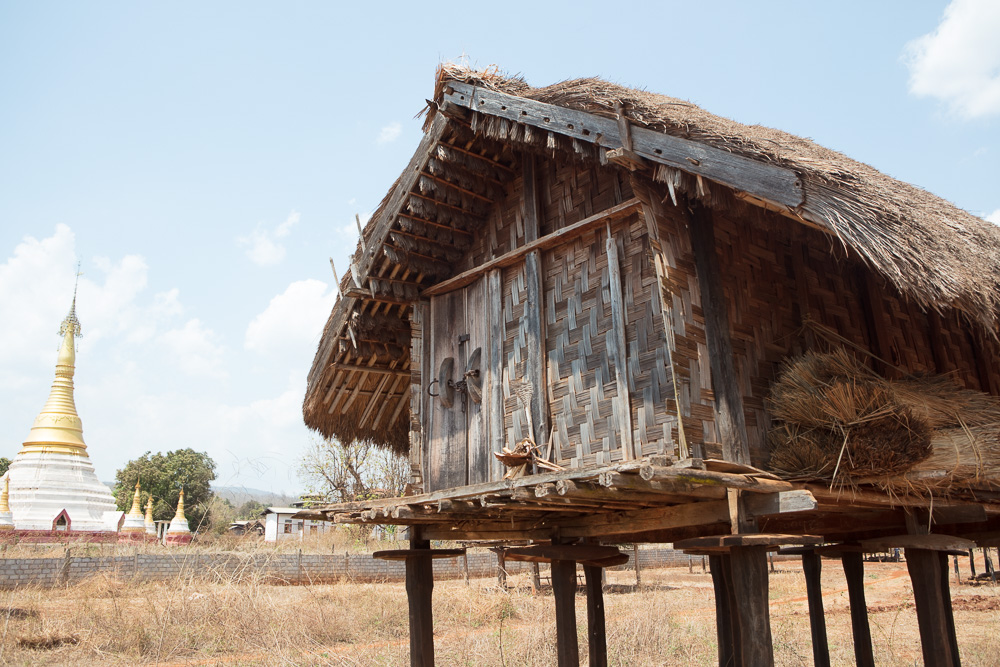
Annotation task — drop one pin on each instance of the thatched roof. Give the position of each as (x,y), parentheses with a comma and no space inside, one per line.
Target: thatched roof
(936,254)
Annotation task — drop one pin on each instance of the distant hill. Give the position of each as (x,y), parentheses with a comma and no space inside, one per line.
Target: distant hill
(238,495)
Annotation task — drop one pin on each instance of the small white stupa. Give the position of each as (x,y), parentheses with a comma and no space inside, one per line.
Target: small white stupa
(178,532)
(148,520)
(52,481)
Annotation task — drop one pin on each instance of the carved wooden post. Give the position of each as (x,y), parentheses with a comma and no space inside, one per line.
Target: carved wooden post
(564,590)
(597,641)
(812,567)
(929,576)
(419,586)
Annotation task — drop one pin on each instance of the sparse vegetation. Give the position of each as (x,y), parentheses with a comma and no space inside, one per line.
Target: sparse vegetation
(670,620)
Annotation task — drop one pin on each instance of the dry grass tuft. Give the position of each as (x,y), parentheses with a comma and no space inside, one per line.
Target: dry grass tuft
(47,642)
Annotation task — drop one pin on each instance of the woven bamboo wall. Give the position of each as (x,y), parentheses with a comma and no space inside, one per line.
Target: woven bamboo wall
(777,276)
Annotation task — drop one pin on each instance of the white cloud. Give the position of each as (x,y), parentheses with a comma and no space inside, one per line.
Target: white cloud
(389,133)
(194,350)
(994,217)
(292,321)
(959,63)
(263,246)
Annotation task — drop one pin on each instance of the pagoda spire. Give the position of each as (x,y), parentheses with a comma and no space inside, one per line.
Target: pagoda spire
(58,427)
(134,521)
(6,518)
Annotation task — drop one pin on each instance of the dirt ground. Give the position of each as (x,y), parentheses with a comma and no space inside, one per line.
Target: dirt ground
(667,620)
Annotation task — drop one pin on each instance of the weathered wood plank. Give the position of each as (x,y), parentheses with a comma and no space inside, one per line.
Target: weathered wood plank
(447,463)
(616,348)
(542,243)
(493,382)
(730,420)
(766,181)
(477,414)
(535,371)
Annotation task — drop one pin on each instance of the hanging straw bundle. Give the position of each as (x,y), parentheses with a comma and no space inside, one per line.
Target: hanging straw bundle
(836,419)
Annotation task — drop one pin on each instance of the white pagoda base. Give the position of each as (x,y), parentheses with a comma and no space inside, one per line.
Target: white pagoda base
(43,484)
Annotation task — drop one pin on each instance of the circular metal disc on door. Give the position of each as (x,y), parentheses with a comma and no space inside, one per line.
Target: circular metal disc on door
(447,391)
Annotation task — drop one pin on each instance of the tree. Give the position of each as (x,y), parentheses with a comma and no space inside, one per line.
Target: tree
(359,470)
(162,476)
(251,509)
(4,464)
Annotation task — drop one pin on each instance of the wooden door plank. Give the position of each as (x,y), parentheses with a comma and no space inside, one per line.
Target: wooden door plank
(534,320)
(493,382)
(447,446)
(477,414)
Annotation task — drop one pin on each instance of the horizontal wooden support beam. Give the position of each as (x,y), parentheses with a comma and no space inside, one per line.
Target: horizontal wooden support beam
(543,243)
(761,179)
(369,369)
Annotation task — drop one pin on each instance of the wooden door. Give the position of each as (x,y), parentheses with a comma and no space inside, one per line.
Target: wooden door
(458,450)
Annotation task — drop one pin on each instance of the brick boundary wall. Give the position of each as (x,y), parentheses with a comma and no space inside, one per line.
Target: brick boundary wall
(291,568)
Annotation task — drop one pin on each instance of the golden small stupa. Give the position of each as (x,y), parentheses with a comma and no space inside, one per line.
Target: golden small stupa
(134,520)
(179,532)
(6,518)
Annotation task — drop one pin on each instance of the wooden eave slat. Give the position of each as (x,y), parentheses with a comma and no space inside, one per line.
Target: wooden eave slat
(766,181)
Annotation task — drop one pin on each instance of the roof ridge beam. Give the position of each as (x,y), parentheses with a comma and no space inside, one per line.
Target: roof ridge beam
(769,182)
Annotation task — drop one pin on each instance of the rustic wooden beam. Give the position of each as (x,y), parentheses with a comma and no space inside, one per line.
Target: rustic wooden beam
(542,243)
(726,630)
(564,591)
(535,371)
(597,640)
(767,181)
(619,361)
(929,577)
(812,568)
(419,587)
(854,572)
(730,420)
(749,581)
(369,369)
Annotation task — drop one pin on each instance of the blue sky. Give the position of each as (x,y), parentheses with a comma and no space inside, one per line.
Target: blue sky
(204,160)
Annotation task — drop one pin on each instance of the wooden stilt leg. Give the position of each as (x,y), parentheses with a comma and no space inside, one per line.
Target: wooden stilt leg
(564,589)
(933,602)
(419,586)
(854,571)
(811,566)
(723,611)
(748,567)
(597,641)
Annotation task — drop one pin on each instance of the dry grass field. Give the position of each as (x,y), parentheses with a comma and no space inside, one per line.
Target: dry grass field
(669,620)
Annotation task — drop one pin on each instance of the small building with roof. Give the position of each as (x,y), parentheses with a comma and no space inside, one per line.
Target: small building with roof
(590,315)
(281,523)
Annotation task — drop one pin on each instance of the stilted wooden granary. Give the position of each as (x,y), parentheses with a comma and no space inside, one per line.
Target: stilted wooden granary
(592,315)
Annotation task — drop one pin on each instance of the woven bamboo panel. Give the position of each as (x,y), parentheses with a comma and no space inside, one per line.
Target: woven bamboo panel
(572,192)
(581,381)
(513,297)
(504,230)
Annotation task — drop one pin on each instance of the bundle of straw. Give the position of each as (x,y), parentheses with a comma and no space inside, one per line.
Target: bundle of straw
(836,419)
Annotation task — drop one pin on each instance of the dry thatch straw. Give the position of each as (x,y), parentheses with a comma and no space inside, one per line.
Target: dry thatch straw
(836,418)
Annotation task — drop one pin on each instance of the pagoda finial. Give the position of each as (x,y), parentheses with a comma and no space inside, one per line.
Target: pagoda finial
(136,504)
(72,322)
(180,508)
